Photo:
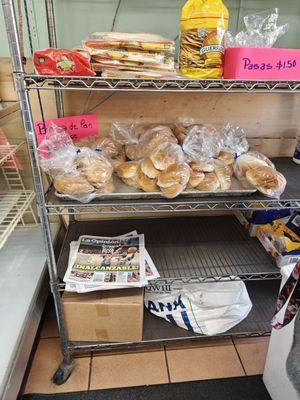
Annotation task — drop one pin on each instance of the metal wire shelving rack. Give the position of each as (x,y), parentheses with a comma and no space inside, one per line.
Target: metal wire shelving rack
(16,201)
(226,253)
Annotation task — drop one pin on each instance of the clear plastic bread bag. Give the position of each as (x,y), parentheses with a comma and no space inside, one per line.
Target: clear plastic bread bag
(255,170)
(233,140)
(80,174)
(202,143)
(261,30)
(141,140)
(174,172)
(57,152)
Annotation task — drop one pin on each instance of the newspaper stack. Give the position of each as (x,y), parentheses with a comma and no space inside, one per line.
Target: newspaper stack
(102,263)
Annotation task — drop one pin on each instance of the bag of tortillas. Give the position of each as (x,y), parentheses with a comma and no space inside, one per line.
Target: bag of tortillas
(206,308)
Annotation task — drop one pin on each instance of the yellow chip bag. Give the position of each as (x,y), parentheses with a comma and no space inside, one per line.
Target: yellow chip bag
(203,24)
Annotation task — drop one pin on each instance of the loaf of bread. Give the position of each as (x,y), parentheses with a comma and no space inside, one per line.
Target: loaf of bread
(210,183)
(174,174)
(128,169)
(146,183)
(149,169)
(72,184)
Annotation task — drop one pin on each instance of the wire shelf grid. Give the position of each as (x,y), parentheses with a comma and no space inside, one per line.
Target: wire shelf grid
(13,205)
(165,85)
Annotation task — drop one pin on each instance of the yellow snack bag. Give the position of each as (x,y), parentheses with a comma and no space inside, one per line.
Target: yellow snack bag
(203,24)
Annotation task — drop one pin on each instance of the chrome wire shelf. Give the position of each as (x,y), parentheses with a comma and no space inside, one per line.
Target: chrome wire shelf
(158,331)
(289,199)
(189,250)
(7,151)
(13,205)
(148,85)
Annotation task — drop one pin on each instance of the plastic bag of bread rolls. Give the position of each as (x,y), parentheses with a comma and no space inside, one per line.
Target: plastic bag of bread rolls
(57,152)
(203,142)
(234,140)
(210,176)
(81,174)
(255,170)
(106,146)
(141,140)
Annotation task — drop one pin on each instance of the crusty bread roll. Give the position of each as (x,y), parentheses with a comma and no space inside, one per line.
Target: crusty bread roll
(267,180)
(246,161)
(96,169)
(226,157)
(202,166)
(172,191)
(128,169)
(72,183)
(180,133)
(131,151)
(210,183)
(224,176)
(107,187)
(130,182)
(174,174)
(148,168)
(119,159)
(108,146)
(195,179)
(145,183)
(162,160)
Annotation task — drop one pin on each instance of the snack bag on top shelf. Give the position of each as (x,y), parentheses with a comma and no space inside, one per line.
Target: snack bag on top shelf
(119,40)
(62,62)
(203,25)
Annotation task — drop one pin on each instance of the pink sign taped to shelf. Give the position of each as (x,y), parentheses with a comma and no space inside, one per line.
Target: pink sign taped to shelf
(250,63)
(77,126)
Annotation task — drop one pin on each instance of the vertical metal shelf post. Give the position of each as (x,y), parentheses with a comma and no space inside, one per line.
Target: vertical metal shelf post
(53,43)
(67,364)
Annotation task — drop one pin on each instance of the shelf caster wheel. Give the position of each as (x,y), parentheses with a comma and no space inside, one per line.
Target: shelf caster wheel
(63,373)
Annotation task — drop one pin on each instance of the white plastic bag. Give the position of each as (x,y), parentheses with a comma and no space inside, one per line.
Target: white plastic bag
(206,308)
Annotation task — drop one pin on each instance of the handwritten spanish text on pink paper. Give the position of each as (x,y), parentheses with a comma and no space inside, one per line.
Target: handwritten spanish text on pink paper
(78,126)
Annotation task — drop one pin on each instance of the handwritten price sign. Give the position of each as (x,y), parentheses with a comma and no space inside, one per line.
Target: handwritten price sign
(249,65)
(78,126)
(262,64)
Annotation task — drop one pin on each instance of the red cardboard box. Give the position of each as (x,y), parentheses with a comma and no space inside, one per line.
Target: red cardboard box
(250,63)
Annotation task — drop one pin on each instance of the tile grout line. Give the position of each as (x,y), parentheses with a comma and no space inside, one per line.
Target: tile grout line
(90,371)
(167,364)
(238,354)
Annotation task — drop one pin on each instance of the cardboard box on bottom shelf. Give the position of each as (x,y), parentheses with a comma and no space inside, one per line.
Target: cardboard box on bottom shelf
(105,316)
(269,246)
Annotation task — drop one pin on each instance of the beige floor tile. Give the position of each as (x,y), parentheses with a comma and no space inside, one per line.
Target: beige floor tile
(46,360)
(49,328)
(130,368)
(212,360)
(253,354)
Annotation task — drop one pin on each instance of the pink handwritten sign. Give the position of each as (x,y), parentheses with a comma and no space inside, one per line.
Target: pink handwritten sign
(250,63)
(78,126)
